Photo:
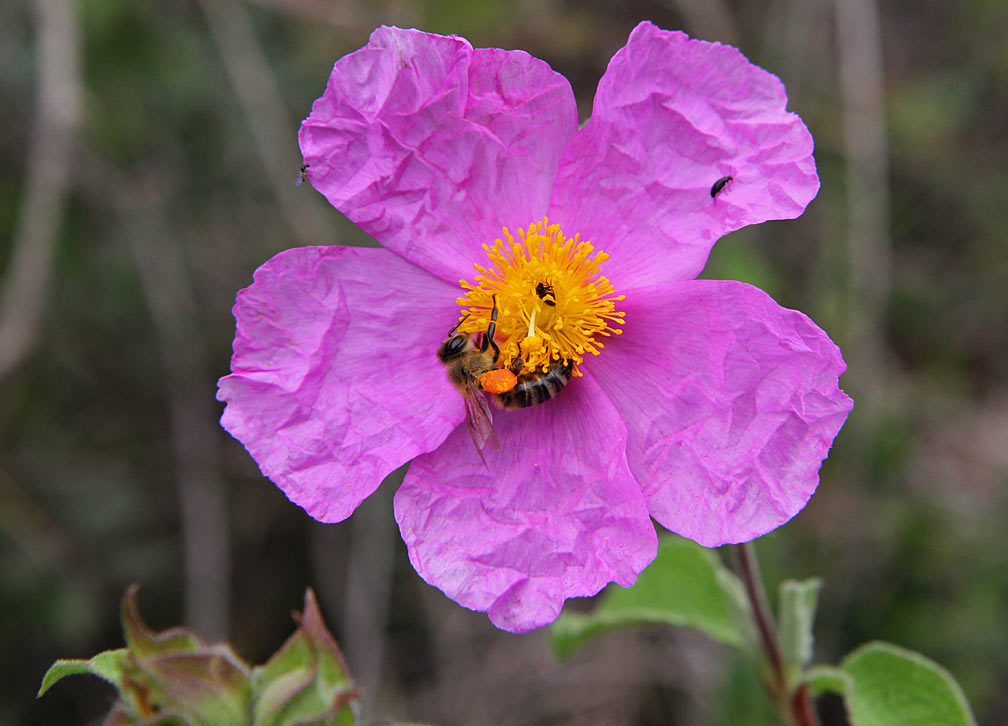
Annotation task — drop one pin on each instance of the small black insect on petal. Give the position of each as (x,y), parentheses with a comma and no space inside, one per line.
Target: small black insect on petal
(719,185)
(302,175)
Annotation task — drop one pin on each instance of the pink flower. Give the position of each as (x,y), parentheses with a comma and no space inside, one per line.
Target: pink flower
(700,403)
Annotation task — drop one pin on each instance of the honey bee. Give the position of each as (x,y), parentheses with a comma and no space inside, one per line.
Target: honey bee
(467,363)
(473,369)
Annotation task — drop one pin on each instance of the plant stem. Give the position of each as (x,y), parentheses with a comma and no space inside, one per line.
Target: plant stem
(796,707)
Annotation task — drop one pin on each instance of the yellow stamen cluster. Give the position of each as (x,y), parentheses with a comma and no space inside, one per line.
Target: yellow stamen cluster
(552,303)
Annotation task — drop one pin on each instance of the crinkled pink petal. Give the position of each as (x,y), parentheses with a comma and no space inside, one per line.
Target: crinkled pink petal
(731,404)
(672,116)
(432,147)
(557,514)
(335,381)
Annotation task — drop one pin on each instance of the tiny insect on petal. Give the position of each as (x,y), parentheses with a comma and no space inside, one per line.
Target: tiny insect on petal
(719,185)
(498,380)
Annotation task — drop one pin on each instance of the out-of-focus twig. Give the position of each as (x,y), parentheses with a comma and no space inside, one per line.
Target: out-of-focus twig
(340,15)
(40,537)
(795,33)
(369,583)
(137,201)
(861,80)
(271,124)
(708,19)
(168,289)
(48,168)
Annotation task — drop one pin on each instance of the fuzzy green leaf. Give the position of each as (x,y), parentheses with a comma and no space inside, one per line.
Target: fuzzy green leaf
(211,687)
(741,698)
(142,641)
(107,664)
(306,682)
(891,686)
(681,587)
(827,679)
(60,669)
(741,613)
(796,614)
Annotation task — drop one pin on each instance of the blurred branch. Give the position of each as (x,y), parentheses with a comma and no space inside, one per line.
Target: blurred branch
(795,34)
(175,314)
(138,202)
(365,586)
(369,583)
(338,14)
(861,81)
(48,168)
(272,125)
(30,526)
(708,19)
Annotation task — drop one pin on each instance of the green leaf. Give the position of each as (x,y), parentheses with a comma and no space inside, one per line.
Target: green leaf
(211,687)
(796,614)
(681,587)
(172,678)
(143,641)
(60,669)
(306,682)
(891,686)
(107,665)
(277,689)
(827,679)
(741,698)
(741,613)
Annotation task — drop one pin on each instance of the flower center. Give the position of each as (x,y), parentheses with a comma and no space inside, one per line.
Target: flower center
(552,303)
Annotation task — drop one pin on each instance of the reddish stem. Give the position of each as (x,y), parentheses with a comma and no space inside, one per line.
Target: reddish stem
(797,706)
(801,707)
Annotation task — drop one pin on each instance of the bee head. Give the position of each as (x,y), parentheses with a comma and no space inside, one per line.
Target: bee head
(453,347)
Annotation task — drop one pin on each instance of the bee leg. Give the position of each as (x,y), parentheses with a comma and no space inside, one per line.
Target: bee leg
(488,341)
(517,363)
(496,348)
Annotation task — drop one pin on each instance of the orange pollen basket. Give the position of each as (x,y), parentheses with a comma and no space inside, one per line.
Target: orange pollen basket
(498,380)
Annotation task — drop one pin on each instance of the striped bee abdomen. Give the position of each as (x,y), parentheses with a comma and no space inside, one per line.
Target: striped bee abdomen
(537,387)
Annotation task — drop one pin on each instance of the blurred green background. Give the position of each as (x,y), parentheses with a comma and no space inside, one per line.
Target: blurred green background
(147,163)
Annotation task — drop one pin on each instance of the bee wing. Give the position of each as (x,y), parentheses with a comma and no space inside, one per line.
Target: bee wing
(479,418)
